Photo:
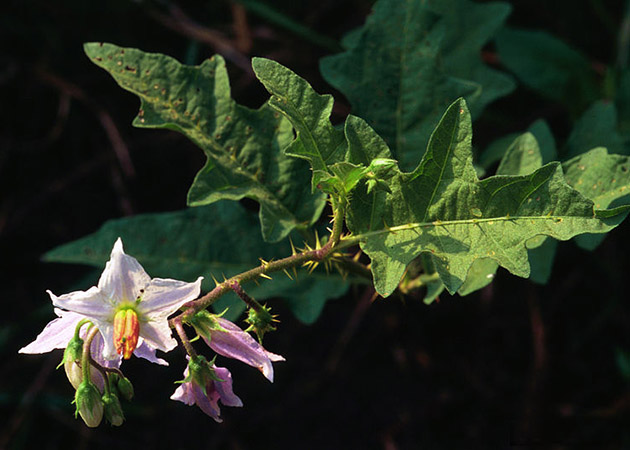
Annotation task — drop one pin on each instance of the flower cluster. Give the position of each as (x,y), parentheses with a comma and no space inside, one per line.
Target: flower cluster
(126,314)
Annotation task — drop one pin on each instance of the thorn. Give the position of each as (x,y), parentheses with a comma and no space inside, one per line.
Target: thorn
(264,275)
(287,274)
(357,255)
(293,251)
(329,229)
(216,283)
(295,272)
(318,244)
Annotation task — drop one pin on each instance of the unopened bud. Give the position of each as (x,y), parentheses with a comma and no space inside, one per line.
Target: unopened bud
(89,404)
(260,321)
(125,388)
(72,365)
(113,410)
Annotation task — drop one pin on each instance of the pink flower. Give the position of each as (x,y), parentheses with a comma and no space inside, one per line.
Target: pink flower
(191,393)
(228,340)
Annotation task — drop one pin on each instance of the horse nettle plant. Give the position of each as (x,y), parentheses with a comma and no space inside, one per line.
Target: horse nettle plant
(430,226)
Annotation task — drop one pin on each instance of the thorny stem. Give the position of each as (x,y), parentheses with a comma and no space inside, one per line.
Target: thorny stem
(238,289)
(177,322)
(298,259)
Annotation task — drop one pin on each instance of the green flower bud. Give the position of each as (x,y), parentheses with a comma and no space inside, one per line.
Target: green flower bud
(113,410)
(260,321)
(125,388)
(89,404)
(72,365)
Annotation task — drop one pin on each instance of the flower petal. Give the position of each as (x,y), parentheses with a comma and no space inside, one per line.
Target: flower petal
(184,394)
(162,297)
(90,303)
(56,334)
(123,277)
(224,388)
(207,403)
(106,328)
(145,351)
(158,335)
(237,344)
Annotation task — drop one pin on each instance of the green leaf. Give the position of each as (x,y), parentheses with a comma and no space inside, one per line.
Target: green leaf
(541,259)
(597,127)
(548,66)
(210,241)
(481,273)
(243,146)
(317,141)
(410,61)
(541,131)
(522,157)
(604,179)
(441,208)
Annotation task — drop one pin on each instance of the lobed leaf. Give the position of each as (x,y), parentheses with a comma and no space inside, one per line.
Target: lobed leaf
(603,178)
(410,60)
(243,146)
(443,209)
(317,141)
(205,241)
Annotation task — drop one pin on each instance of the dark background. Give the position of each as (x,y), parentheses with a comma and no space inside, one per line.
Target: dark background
(513,366)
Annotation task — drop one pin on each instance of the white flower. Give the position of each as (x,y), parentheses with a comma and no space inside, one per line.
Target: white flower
(129,308)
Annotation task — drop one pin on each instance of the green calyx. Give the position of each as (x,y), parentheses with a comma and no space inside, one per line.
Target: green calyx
(260,321)
(201,372)
(73,351)
(205,322)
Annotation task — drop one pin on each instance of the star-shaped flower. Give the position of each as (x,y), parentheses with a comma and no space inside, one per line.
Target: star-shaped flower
(129,308)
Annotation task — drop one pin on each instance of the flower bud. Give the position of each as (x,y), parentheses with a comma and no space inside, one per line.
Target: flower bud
(125,388)
(72,365)
(113,410)
(89,404)
(260,321)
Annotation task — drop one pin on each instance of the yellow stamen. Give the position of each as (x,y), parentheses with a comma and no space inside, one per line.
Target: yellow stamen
(126,332)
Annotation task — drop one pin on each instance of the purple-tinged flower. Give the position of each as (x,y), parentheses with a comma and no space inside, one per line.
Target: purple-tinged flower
(129,308)
(207,397)
(227,339)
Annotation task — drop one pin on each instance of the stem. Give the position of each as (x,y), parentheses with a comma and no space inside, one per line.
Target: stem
(86,360)
(77,330)
(184,337)
(85,356)
(249,301)
(318,254)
